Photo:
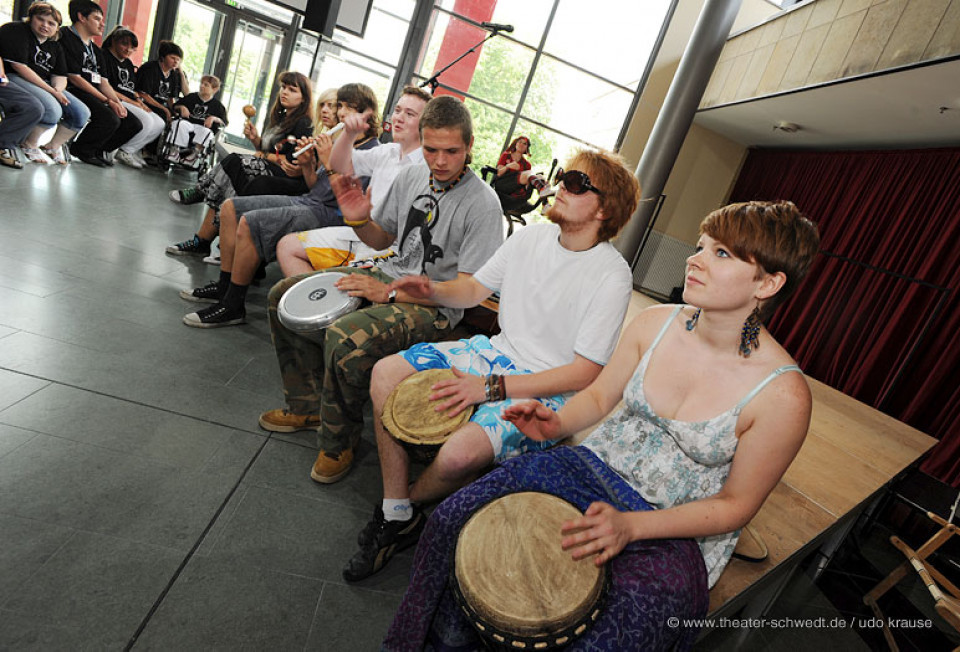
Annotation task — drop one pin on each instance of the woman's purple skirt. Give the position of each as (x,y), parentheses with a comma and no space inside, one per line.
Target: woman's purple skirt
(653,581)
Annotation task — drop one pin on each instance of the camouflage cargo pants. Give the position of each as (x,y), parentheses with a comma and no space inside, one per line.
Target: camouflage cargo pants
(332,379)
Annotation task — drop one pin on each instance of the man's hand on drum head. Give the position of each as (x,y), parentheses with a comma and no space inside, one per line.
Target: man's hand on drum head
(354,203)
(534,419)
(418,287)
(463,391)
(365,287)
(602,531)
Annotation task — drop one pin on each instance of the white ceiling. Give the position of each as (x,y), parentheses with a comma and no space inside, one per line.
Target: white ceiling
(892,110)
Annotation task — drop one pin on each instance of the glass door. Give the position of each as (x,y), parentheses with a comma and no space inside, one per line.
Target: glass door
(240,44)
(198,31)
(250,72)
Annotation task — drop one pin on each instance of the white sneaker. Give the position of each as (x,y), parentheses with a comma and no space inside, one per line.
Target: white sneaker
(139,159)
(212,260)
(127,159)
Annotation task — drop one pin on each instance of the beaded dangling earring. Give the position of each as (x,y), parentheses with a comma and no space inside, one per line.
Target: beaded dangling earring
(692,322)
(748,336)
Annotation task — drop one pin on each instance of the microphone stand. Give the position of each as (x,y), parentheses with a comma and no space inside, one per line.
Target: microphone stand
(434,82)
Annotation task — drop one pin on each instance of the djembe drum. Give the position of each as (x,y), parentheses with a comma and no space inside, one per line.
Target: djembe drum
(314,303)
(518,587)
(411,417)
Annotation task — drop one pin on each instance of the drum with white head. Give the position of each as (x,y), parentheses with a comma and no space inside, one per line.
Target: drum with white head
(314,303)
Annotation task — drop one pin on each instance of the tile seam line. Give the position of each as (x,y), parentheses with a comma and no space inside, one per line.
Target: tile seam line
(130,401)
(193,550)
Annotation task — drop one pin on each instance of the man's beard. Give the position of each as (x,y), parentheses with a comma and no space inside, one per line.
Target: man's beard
(555,214)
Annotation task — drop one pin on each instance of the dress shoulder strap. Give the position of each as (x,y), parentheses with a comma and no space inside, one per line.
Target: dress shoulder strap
(666,325)
(766,381)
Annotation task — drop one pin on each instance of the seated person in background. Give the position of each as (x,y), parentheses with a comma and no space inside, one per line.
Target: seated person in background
(714,412)
(564,291)
(326,112)
(327,385)
(21,113)
(198,115)
(290,115)
(122,75)
(110,124)
(515,180)
(251,227)
(35,63)
(160,83)
(303,252)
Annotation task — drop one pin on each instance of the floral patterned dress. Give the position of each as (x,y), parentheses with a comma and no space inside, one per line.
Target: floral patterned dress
(673,462)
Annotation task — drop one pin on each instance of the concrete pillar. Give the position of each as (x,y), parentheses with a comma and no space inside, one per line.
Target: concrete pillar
(679,107)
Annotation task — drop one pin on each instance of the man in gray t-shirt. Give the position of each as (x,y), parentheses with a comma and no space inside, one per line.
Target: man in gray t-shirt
(446,223)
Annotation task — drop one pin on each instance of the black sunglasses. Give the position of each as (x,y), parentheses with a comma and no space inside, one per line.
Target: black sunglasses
(577,183)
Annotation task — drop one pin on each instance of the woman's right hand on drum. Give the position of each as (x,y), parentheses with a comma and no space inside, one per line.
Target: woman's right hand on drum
(603,531)
(534,419)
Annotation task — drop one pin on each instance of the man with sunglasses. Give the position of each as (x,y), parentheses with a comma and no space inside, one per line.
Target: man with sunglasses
(564,291)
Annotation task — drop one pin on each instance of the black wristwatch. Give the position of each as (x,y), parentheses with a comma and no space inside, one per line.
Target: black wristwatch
(392,296)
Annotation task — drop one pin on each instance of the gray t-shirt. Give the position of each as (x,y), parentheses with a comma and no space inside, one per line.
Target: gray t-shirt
(463,227)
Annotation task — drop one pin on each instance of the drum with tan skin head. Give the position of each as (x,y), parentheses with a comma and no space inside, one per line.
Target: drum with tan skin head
(411,417)
(519,589)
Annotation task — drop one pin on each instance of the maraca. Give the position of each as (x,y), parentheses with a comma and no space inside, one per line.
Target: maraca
(249,110)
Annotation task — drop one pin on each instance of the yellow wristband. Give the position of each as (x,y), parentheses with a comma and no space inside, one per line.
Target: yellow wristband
(357,223)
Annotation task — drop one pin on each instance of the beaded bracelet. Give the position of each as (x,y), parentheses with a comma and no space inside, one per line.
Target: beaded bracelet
(494,388)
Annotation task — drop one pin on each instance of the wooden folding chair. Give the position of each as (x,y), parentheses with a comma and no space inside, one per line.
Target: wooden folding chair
(947,604)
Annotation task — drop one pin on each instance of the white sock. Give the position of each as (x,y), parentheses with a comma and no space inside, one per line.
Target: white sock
(397,509)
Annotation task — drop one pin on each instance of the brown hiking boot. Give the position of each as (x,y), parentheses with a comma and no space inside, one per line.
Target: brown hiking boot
(284,420)
(330,467)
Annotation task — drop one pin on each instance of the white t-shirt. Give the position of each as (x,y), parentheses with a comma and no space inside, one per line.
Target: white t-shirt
(382,164)
(555,303)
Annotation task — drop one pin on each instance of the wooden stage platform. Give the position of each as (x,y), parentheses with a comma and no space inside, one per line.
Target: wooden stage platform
(851,453)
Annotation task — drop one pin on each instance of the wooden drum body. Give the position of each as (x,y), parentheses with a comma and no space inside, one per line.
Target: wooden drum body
(517,586)
(314,303)
(411,417)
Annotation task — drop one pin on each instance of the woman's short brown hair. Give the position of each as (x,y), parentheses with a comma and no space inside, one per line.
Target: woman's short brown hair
(773,234)
(619,187)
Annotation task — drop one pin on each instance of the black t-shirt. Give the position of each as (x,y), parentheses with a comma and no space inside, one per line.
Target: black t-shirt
(200,110)
(85,60)
(150,80)
(18,44)
(122,75)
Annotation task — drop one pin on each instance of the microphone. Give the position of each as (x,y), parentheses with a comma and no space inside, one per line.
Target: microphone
(497,27)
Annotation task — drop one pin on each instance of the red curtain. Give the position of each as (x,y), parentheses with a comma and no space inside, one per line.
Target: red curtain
(878,317)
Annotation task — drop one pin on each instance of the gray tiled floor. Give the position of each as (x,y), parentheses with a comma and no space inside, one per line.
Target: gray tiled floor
(139,501)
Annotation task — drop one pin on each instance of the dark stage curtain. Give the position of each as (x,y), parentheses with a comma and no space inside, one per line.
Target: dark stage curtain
(878,316)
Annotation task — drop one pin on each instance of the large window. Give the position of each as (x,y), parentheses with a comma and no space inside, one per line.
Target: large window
(567,76)
(371,59)
(6,11)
